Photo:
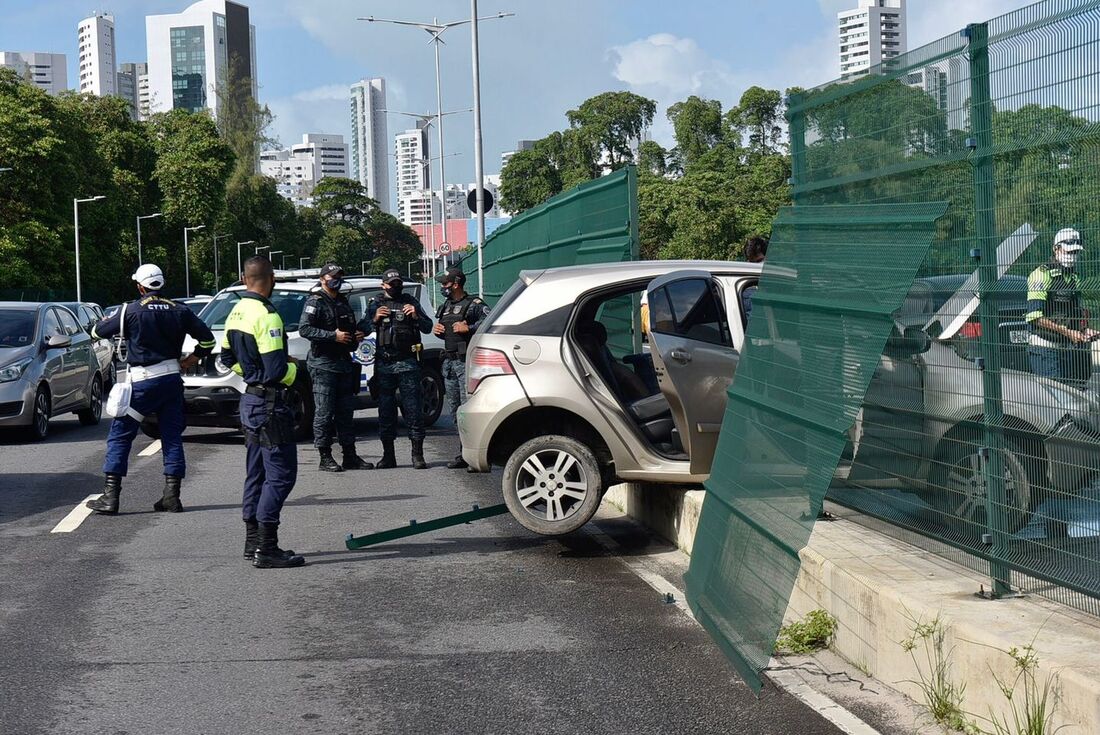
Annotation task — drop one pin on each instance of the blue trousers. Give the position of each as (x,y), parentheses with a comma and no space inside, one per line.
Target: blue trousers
(270,471)
(389,383)
(454,382)
(162,396)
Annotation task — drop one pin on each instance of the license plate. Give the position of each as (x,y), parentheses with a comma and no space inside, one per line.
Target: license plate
(1018,336)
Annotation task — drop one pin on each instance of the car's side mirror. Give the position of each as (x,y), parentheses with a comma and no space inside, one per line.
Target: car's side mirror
(58,340)
(915,341)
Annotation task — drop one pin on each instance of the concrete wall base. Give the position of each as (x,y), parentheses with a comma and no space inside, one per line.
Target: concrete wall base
(877,587)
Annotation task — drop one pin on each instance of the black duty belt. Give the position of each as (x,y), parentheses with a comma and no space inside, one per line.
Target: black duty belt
(452,354)
(266,391)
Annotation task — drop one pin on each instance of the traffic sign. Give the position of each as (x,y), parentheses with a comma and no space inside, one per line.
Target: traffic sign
(444,248)
(471,200)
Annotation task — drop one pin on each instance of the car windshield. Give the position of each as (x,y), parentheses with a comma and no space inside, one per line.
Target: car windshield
(16,328)
(288,303)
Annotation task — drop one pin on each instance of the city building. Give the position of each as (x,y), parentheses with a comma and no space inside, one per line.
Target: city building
(870,34)
(416,204)
(96,56)
(370,139)
(523,145)
(948,83)
(298,169)
(192,53)
(419,207)
(43,70)
(133,86)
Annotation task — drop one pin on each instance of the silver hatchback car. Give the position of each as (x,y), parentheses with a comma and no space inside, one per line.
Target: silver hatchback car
(569,395)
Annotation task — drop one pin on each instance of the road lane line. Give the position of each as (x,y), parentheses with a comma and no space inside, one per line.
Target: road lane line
(150,450)
(844,719)
(76,516)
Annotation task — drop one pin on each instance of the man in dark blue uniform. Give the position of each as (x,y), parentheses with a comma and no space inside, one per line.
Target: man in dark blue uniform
(329,323)
(255,348)
(399,321)
(457,319)
(154,330)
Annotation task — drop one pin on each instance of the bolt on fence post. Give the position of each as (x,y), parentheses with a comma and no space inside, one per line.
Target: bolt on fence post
(993,467)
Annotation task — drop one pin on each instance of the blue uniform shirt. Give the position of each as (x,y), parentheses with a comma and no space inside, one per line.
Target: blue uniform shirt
(155,330)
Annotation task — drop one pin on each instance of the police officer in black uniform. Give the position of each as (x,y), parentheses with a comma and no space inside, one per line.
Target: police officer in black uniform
(329,323)
(399,321)
(457,319)
(154,330)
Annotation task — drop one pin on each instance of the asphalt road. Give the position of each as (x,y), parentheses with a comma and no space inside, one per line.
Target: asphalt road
(152,623)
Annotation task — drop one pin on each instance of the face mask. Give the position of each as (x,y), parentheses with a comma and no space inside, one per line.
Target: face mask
(395,290)
(1066,260)
(335,283)
(447,291)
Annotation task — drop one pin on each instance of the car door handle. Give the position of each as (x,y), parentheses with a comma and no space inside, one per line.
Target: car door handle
(680,355)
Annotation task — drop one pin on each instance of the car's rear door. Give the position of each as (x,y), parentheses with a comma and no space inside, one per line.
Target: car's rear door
(80,360)
(694,356)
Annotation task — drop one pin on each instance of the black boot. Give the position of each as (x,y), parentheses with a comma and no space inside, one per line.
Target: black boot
(353,461)
(328,464)
(389,459)
(418,455)
(458,463)
(252,540)
(170,503)
(108,503)
(268,553)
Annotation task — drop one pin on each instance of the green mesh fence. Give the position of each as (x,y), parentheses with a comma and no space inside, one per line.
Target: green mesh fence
(980,426)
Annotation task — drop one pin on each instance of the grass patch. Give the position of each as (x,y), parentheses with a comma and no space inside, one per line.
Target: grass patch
(813,633)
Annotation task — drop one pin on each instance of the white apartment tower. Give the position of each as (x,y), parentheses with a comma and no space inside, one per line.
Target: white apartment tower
(45,71)
(297,170)
(870,34)
(190,54)
(96,55)
(133,86)
(415,202)
(370,139)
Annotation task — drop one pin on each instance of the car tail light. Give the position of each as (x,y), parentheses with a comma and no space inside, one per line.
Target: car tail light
(486,363)
(971,330)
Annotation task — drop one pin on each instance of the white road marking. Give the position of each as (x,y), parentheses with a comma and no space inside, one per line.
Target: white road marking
(76,516)
(787,680)
(150,450)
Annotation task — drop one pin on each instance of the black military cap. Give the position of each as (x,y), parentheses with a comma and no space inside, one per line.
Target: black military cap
(330,269)
(453,273)
(391,275)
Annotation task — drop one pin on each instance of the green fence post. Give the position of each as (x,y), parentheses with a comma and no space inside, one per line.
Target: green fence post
(796,125)
(981,125)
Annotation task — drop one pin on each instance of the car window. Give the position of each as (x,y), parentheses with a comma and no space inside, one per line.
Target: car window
(691,309)
(16,328)
(288,303)
(50,325)
(68,322)
(88,317)
(359,299)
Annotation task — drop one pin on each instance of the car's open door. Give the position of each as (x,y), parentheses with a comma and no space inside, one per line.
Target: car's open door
(694,357)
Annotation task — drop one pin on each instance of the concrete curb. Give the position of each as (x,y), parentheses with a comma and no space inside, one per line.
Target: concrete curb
(876,586)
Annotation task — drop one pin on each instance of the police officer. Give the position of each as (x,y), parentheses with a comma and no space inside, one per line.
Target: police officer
(154,330)
(1057,344)
(254,347)
(399,321)
(328,322)
(457,319)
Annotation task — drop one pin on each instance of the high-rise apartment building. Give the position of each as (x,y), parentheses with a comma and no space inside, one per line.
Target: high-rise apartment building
(870,34)
(415,202)
(45,71)
(298,169)
(133,86)
(191,55)
(96,56)
(420,207)
(523,145)
(370,139)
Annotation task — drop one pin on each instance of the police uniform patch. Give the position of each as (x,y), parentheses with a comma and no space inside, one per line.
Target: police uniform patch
(311,309)
(456,310)
(275,332)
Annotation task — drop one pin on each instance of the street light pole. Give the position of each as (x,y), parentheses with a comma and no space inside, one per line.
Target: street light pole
(479,163)
(76,235)
(240,267)
(217,284)
(363,267)
(410,267)
(271,256)
(139,219)
(302,262)
(187,255)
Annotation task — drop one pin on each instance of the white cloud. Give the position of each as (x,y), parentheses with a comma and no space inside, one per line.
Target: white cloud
(320,110)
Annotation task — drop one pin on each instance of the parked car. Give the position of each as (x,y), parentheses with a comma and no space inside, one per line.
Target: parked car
(88,315)
(566,398)
(212,393)
(195,303)
(48,366)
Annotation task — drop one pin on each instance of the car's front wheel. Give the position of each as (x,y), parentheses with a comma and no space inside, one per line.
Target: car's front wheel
(959,488)
(90,416)
(552,485)
(40,415)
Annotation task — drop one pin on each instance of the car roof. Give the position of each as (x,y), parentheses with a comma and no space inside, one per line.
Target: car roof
(309,284)
(640,269)
(24,305)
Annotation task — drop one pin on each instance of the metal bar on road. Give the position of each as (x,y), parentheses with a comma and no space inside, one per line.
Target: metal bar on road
(414,528)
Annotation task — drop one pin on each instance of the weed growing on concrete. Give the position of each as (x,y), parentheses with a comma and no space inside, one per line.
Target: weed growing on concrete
(812,633)
(1031,703)
(942,696)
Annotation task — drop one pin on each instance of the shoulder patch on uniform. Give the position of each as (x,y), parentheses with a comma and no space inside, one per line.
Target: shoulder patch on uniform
(311,309)
(276,332)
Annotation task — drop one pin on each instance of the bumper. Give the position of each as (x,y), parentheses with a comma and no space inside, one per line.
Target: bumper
(1074,453)
(497,398)
(16,403)
(212,405)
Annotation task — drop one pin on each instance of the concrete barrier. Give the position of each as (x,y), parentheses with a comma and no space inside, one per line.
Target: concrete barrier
(877,587)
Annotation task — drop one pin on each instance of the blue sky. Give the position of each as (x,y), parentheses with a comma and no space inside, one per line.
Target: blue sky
(548,58)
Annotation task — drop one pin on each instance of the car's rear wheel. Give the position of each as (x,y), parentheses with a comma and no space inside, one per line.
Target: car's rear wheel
(40,415)
(432,395)
(91,415)
(959,487)
(552,485)
(300,397)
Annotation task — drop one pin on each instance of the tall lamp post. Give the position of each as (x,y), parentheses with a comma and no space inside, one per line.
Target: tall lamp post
(302,262)
(271,256)
(217,281)
(239,266)
(76,235)
(187,255)
(139,219)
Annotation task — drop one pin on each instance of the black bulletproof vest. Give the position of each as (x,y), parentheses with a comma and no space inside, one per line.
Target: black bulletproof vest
(334,314)
(449,313)
(398,333)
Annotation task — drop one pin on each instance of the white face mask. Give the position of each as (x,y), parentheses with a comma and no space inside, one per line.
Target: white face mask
(1066,260)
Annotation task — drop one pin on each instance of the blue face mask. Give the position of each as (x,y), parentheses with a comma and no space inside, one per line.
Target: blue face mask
(335,283)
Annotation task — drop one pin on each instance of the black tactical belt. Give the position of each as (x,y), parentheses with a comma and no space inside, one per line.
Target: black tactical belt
(266,391)
(452,355)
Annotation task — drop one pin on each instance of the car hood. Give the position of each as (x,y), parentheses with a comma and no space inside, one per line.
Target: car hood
(9,355)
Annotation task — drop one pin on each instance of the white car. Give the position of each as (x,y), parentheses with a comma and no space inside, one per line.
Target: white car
(212,393)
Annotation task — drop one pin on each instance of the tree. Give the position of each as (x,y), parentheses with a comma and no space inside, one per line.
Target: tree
(697,127)
(757,116)
(610,122)
(242,121)
(652,158)
(354,228)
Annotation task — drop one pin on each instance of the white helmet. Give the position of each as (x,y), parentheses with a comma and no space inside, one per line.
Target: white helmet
(1069,240)
(149,275)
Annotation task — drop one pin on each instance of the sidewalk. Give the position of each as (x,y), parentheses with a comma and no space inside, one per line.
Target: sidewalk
(876,586)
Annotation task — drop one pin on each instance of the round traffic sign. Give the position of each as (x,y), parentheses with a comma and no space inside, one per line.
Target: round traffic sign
(471,200)
(444,248)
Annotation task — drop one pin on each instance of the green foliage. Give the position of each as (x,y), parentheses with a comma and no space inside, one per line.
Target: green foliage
(697,127)
(1031,703)
(813,633)
(355,230)
(609,122)
(942,696)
